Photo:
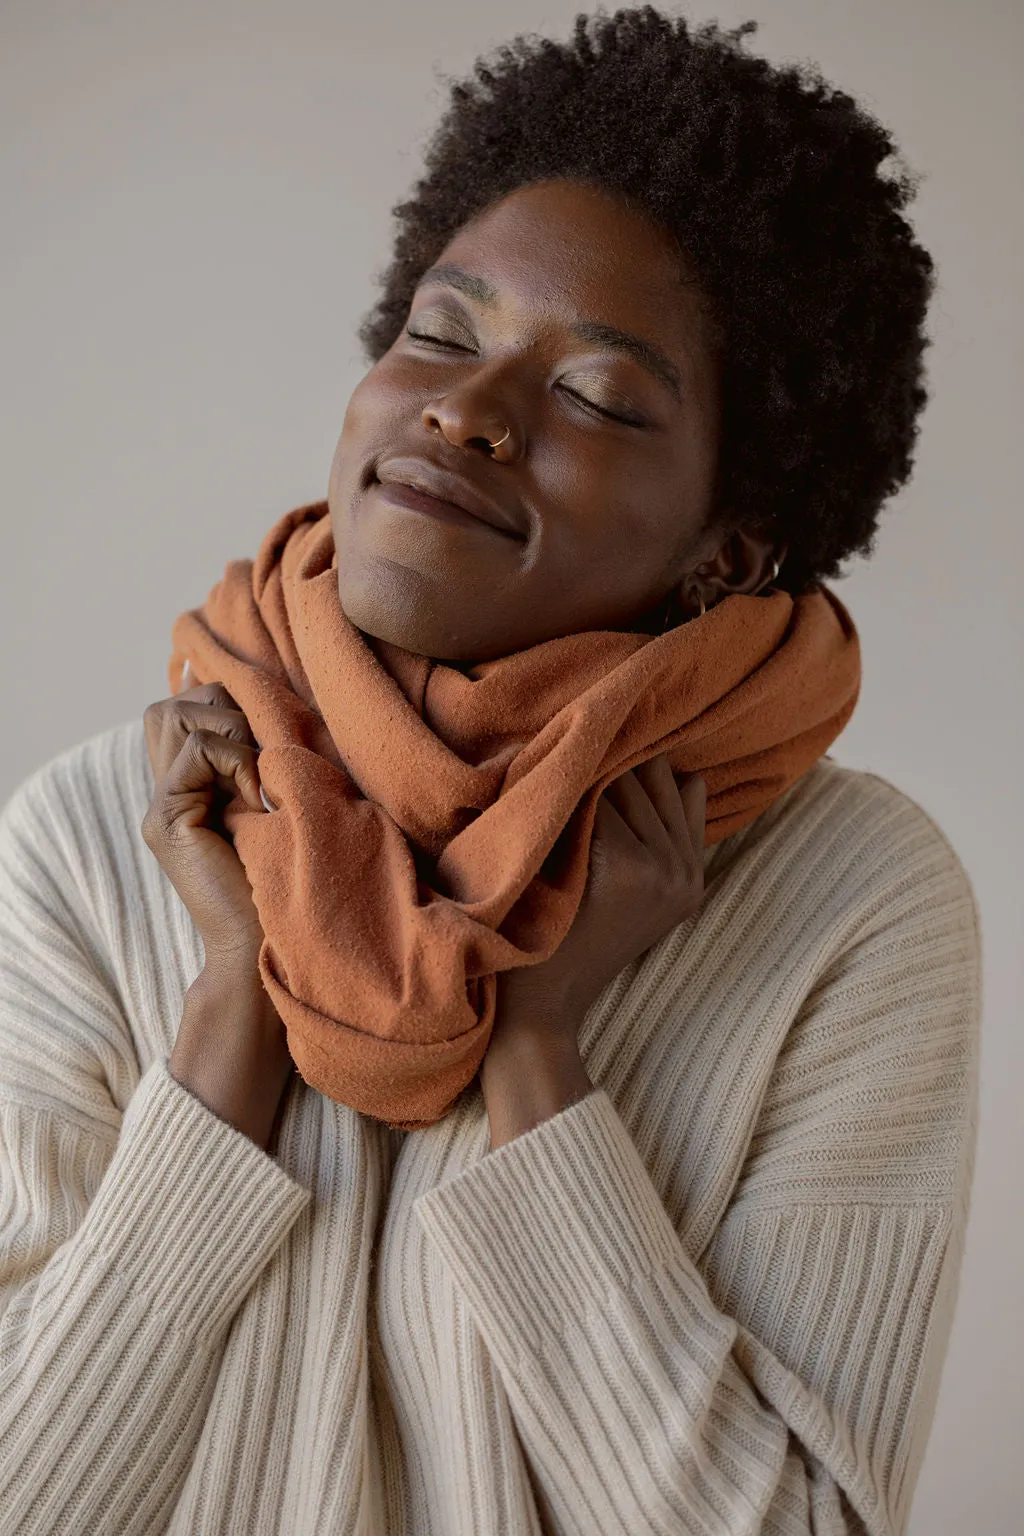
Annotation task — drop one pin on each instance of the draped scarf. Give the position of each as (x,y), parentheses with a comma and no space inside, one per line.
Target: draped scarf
(431,825)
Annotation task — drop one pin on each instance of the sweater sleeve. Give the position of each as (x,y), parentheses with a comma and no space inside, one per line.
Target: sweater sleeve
(786,1381)
(132,1219)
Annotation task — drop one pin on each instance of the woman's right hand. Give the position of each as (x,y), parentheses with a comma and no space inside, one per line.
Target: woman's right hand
(231,1050)
(202,749)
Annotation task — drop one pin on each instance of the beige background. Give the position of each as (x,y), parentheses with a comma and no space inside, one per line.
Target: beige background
(195,198)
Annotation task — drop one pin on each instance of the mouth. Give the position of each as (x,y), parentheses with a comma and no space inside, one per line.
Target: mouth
(421,486)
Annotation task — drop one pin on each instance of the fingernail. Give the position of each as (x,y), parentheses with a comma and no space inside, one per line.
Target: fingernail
(268,803)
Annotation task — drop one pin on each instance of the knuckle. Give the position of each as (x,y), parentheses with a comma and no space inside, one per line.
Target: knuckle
(153,825)
(228,727)
(176,835)
(236,729)
(203,746)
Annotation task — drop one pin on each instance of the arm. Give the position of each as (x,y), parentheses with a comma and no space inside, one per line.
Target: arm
(787,1381)
(133,1220)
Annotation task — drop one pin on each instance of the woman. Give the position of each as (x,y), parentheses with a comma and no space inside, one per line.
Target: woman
(677,1246)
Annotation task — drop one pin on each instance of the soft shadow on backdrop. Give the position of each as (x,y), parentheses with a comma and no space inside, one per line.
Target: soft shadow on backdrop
(195,203)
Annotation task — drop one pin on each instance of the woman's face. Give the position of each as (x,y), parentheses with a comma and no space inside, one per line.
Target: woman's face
(606,512)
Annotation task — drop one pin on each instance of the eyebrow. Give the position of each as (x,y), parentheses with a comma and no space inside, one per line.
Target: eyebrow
(641,351)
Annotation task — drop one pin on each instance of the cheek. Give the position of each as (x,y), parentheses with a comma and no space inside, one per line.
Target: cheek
(373,402)
(372,415)
(606,496)
(622,521)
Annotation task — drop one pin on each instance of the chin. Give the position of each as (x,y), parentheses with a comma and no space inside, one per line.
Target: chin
(382,610)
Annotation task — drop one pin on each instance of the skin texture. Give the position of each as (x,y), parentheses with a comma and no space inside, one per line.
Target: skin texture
(617,516)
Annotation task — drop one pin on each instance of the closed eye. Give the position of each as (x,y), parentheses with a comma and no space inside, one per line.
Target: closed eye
(439,341)
(436,341)
(628,421)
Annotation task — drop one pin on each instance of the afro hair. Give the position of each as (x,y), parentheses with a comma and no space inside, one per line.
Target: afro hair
(770,180)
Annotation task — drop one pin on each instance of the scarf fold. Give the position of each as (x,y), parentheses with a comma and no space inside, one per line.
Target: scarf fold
(432,826)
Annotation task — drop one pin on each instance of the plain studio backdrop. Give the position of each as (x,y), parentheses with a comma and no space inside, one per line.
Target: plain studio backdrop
(195,199)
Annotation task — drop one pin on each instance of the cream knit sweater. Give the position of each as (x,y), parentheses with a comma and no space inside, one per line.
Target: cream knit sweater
(714,1296)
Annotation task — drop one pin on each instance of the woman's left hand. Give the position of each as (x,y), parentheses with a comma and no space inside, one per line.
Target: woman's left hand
(646,875)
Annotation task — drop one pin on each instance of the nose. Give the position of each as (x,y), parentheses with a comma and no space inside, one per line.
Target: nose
(467,425)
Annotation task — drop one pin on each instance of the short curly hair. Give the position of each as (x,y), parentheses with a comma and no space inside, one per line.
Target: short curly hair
(769,179)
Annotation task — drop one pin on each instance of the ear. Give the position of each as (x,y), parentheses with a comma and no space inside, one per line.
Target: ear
(743,563)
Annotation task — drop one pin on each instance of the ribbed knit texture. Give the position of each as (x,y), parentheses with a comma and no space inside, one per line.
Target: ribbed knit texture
(713,1296)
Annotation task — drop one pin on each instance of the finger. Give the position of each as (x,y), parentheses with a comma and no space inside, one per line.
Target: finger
(694,796)
(206,760)
(217,695)
(213,696)
(208,693)
(169,722)
(660,785)
(631,800)
(609,830)
(679,803)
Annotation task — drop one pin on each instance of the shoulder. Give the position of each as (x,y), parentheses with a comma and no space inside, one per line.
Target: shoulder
(87,793)
(70,832)
(910,856)
(894,993)
(874,1093)
(83,925)
(863,848)
(856,899)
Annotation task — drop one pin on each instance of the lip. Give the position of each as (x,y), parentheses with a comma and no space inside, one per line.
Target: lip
(426,487)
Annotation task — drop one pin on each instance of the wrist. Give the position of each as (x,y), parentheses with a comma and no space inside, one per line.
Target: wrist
(231,1051)
(234,1005)
(227,974)
(528,1076)
(531,1042)
(536,997)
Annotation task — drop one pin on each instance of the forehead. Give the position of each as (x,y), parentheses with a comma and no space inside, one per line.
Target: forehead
(560,250)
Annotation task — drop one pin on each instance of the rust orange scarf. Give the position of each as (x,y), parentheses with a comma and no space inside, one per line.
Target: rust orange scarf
(432,826)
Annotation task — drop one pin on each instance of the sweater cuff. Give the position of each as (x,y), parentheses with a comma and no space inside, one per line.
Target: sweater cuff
(553,1224)
(190,1210)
